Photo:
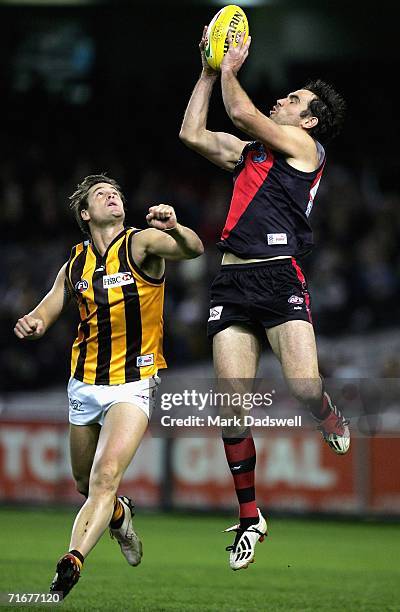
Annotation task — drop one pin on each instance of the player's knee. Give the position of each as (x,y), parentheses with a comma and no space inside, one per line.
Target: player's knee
(105,478)
(307,391)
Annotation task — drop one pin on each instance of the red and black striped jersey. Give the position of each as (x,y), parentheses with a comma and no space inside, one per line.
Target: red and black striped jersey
(120,336)
(271,204)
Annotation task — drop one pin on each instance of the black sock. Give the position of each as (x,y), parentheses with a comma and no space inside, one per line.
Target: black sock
(241,456)
(117,523)
(77,554)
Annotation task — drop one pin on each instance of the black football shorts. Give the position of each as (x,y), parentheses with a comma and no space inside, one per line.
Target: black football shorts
(261,295)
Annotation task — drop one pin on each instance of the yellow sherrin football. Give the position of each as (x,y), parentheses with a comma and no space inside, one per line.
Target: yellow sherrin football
(229,20)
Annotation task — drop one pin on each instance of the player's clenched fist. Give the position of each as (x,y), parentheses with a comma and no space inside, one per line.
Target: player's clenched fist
(28,327)
(162,217)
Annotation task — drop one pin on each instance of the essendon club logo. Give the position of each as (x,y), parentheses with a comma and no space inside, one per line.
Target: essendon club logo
(81,285)
(260,155)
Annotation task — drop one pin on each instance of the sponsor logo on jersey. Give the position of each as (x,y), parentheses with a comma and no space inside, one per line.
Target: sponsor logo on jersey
(117,280)
(297,307)
(215,313)
(81,285)
(276,239)
(295,299)
(144,360)
(260,156)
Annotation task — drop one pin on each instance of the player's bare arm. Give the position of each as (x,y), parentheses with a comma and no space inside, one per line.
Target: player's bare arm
(219,147)
(165,239)
(34,325)
(294,141)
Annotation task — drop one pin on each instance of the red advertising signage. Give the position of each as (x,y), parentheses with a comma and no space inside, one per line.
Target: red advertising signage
(295,472)
(35,465)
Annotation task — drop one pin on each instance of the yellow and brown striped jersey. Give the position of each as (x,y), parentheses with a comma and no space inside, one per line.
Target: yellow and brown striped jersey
(121,309)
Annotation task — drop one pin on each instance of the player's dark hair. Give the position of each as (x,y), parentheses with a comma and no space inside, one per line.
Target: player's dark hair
(329,107)
(79,197)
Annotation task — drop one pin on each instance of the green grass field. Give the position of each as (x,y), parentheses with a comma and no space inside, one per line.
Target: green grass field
(304,565)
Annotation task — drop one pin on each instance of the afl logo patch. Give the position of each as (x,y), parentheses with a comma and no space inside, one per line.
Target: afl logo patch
(295,299)
(81,285)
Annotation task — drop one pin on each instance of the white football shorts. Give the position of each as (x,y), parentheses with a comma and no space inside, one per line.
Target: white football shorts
(89,403)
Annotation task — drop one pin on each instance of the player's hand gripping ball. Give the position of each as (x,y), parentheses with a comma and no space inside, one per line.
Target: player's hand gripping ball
(229,21)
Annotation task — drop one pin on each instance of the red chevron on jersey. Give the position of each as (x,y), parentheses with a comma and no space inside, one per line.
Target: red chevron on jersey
(247,184)
(271,204)
(314,189)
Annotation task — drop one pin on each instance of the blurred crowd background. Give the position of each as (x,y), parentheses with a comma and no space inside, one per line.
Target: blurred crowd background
(103,88)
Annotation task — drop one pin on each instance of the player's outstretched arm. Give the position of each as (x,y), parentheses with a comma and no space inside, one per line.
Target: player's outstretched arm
(34,325)
(287,139)
(174,241)
(220,148)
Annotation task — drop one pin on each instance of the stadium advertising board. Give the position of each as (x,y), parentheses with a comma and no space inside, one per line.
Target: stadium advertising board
(296,472)
(35,465)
